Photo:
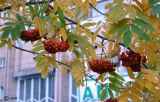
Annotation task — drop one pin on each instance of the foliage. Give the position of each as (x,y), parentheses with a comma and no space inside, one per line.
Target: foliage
(130,24)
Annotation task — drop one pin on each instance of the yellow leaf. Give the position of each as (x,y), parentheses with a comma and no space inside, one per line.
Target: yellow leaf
(9,43)
(2,1)
(56,4)
(69,13)
(88,32)
(132,12)
(95,34)
(52,61)
(150,77)
(53,16)
(107,36)
(78,29)
(44,72)
(88,24)
(145,4)
(110,48)
(134,98)
(23,7)
(64,70)
(40,25)
(63,33)
(124,96)
(115,50)
(130,73)
(101,77)
(92,53)
(149,71)
(77,71)
(151,58)
(85,8)
(149,85)
(93,2)
(136,91)
(139,83)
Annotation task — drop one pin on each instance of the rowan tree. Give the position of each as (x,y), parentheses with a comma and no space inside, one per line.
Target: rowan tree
(58,26)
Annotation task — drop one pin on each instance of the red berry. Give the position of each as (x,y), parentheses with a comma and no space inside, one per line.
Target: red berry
(101,66)
(132,60)
(111,100)
(53,47)
(30,35)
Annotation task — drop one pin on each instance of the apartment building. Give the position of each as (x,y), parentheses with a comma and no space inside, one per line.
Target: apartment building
(20,82)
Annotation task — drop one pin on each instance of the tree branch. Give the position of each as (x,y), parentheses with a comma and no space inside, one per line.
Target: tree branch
(56,61)
(97,10)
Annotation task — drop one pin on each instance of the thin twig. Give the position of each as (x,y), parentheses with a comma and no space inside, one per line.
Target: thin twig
(98,10)
(56,61)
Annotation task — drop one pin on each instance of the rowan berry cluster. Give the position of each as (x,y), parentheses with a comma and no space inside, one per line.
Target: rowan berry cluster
(111,100)
(30,35)
(53,47)
(102,66)
(132,60)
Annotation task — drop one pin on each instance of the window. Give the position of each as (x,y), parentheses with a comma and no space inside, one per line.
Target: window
(1,93)
(36,89)
(73,90)
(2,60)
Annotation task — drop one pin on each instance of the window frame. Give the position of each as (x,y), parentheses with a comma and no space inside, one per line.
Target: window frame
(70,89)
(32,99)
(2,65)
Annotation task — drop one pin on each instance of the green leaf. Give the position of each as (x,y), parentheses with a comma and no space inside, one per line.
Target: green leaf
(119,27)
(156,9)
(114,87)
(127,38)
(143,17)
(13,36)
(18,17)
(115,81)
(6,33)
(103,93)
(17,31)
(31,10)
(117,76)
(141,34)
(44,7)
(153,2)
(9,23)
(61,17)
(0,37)
(22,27)
(110,93)
(144,25)
(36,9)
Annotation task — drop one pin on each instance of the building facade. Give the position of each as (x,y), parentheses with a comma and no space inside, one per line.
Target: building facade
(20,82)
